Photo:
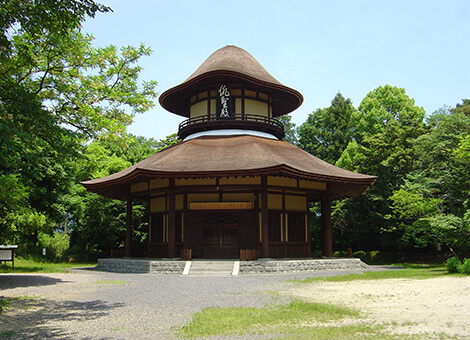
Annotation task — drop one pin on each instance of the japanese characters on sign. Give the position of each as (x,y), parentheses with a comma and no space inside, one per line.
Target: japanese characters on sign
(224,95)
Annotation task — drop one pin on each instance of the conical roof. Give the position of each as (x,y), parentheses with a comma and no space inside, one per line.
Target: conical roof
(221,156)
(231,64)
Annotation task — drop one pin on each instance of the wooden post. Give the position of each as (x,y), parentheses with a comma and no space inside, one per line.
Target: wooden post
(129,227)
(327,242)
(171,219)
(264,216)
(309,234)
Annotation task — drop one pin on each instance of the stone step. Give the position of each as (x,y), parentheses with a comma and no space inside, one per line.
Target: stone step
(206,268)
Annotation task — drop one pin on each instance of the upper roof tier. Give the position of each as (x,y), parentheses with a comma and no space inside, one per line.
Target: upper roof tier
(231,65)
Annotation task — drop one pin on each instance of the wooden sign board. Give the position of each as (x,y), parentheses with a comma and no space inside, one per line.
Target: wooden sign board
(220,205)
(6,255)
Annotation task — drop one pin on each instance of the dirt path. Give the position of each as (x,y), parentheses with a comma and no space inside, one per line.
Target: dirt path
(405,306)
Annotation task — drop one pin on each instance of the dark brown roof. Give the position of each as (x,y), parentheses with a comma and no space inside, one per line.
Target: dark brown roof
(231,64)
(221,156)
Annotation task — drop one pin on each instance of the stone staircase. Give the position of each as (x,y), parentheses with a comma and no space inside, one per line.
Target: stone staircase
(212,268)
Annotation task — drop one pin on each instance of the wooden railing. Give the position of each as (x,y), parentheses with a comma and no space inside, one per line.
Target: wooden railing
(235,121)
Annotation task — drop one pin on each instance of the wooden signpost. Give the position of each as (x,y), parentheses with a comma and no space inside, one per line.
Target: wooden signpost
(7,253)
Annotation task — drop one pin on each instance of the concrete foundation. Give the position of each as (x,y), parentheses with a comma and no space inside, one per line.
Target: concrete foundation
(264,266)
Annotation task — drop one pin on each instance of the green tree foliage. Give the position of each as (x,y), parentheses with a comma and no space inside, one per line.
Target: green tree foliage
(96,223)
(385,126)
(19,222)
(32,36)
(37,17)
(91,92)
(384,130)
(57,93)
(463,108)
(421,197)
(433,205)
(328,131)
(289,129)
(56,245)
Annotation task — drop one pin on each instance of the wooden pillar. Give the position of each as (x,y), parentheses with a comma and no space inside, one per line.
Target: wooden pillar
(129,227)
(284,225)
(326,239)
(264,216)
(309,234)
(171,219)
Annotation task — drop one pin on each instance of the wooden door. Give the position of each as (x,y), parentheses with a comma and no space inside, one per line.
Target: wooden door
(221,241)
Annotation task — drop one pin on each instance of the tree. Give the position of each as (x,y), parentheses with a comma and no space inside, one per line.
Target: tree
(289,129)
(432,205)
(96,223)
(31,41)
(36,17)
(327,131)
(443,154)
(90,92)
(386,127)
(463,108)
(57,93)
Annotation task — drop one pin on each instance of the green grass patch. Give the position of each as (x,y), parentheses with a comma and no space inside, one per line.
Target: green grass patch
(243,320)
(350,332)
(298,320)
(23,265)
(112,282)
(19,302)
(409,271)
(121,329)
(6,335)
(6,302)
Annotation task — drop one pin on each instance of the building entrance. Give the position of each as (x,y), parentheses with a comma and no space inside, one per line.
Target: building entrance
(218,234)
(221,241)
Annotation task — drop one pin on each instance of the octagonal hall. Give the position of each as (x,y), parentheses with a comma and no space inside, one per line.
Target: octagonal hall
(232,187)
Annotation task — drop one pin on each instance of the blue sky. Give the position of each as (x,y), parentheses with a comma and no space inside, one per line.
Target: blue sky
(319,48)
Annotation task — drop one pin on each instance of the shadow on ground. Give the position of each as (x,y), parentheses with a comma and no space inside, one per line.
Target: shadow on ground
(10,281)
(48,319)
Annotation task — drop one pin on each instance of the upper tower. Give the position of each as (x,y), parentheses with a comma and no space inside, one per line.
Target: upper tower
(231,93)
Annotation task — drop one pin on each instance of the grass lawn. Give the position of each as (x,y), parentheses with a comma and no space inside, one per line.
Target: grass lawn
(402,271)
(298,320)
(23,265)
(304,320)
(239,320)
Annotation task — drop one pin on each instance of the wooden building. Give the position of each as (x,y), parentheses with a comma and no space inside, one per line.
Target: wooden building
(232,184)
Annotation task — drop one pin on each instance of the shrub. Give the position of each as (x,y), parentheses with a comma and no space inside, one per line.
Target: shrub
(56,245)
(340,253)
(360,254)
(453,265)
(316,254)
(373,255)
(465,268)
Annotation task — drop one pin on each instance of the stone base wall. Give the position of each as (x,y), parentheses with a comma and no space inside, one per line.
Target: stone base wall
(293,266)
(263,266)
(141,266)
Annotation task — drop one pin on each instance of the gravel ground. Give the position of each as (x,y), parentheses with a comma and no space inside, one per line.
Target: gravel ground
(88,304)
